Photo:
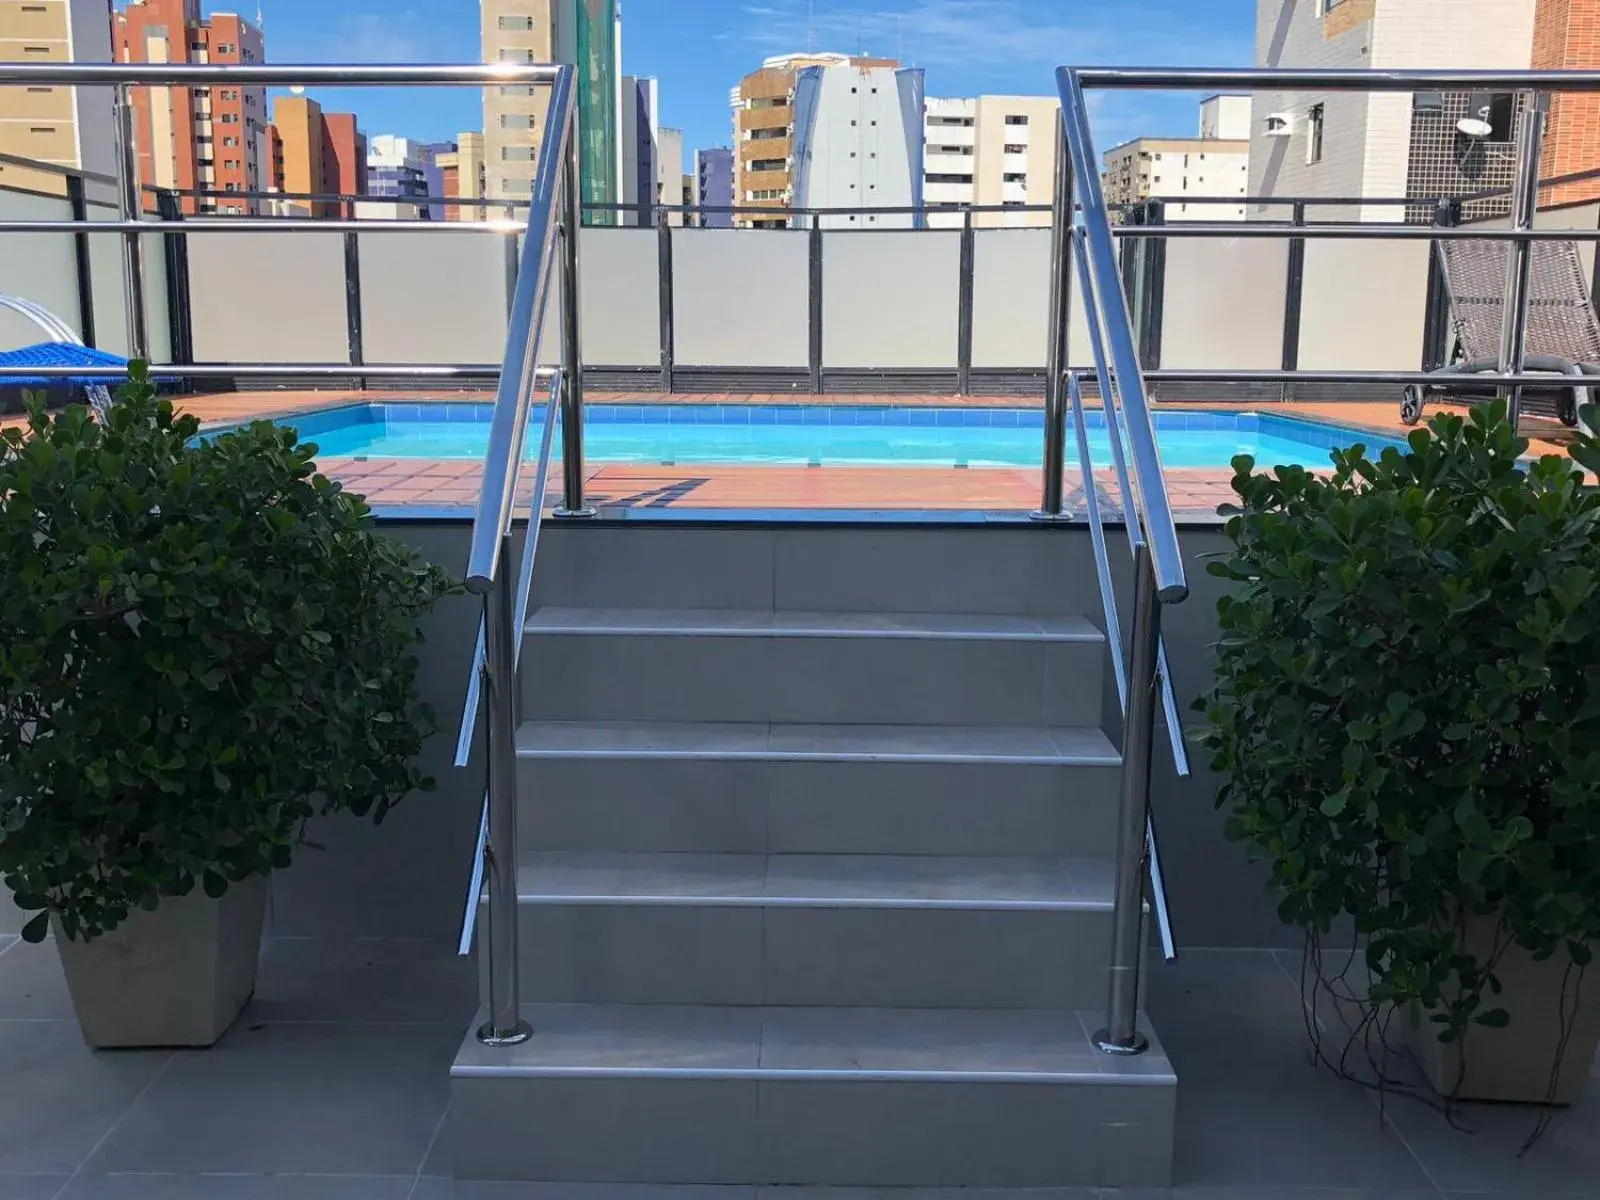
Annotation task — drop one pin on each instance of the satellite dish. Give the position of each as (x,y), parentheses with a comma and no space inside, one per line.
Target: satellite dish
(1474,127)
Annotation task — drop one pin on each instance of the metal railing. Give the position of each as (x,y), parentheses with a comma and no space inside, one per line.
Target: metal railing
(1084,241)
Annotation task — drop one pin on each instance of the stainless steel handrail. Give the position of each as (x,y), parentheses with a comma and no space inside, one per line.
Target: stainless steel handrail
(555,185)
(469,713)
(1155,510)
(1325,79)
(66,74)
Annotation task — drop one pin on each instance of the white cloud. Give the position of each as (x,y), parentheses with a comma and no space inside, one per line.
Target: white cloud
(993,33)
(396,36)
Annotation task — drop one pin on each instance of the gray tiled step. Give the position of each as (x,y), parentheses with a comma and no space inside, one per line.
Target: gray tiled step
(846,930)
(755,789)
(765,665)
(865,1097)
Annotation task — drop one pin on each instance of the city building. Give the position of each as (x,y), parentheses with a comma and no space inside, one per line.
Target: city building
(640,125)
(583,32)
(989,150)
(1392,144)
(461,177)
(67,127)
(858,143)
(1177,170)
(714,185)
(1566,34)
(211,140)
(669,172)
(402,172)
(763,105)
(315,153)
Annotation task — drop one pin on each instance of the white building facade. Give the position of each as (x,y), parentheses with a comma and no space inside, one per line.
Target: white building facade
(992,151)
(858,143)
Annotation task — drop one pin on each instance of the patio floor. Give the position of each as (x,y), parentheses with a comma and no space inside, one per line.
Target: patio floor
(334,1086)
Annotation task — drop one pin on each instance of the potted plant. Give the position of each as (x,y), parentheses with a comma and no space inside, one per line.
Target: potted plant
(1406,713)
(202,644)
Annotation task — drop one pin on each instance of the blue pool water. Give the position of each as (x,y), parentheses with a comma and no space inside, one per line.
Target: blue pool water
(834,435)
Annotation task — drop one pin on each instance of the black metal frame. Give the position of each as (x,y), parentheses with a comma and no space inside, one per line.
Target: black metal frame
(83,266)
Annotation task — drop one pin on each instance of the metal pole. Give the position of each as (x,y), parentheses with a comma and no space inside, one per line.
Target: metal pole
(1519,265)
(354,347)
(964,308)
(1121,1034)
(814,305)
(1055,379)
(1152,288)
(664,292)
(82,263)
(505,1026)
(572,504)
(179,328)
(128,209)
(1293,300)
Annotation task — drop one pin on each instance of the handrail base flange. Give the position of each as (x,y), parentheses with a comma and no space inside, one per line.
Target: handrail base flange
(1103,1042)
(518,1034)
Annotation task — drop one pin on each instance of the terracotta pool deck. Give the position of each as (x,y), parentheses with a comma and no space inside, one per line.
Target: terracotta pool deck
(451,485)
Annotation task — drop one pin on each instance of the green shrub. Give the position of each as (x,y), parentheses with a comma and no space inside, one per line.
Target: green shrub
(202,644)
(1407,702)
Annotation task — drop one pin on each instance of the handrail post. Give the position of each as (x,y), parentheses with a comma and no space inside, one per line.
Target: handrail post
(81,260)
(1519,265)
(505,1026)
(964,307)
(128,209)
(1121,1033)
(1056,352)
(1294,287)
(572,501)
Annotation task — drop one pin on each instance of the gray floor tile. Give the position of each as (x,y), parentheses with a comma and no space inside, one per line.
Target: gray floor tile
(967,1193)
(363,980)
(310,1099)
(60,1098)
(1208,1192)
(926,1040)
(239,1187)
(581,878)
(978,882)
(666,621)
(1482,1155)
(1252,1110)
(917,742)
(31,1187)
(643,739)
(623,1037)
(32,985)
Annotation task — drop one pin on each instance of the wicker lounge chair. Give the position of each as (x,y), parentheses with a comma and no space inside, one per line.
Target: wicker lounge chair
(1563,330)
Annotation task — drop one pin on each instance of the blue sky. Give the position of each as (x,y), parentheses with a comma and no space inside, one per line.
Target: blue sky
(700,48)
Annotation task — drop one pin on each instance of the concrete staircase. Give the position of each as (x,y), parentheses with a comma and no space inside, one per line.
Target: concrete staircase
(815,888)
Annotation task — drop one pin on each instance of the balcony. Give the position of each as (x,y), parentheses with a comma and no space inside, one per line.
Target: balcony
(823,630)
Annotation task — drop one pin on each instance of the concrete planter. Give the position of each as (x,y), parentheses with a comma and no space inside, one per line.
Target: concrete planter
(177,976)
(1514,1064)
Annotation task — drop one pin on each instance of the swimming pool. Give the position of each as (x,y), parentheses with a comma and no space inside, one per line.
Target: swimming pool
(831,435)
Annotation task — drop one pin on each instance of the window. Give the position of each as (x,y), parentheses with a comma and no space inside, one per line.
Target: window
(508,54)
(41,129)
(1015,177)
(197,46)
(516,153)
(516,121)
(33,8)
(224,47)
(518,186)
(949,178)
(1329,5)
(230,164)
(1013,149)
(768,164)
(43,50)
(521,23)
(230,118)
(230,187)
(227,141)
(757,135)
(41,91)
(203,139)
(1015,119)
(1314,134)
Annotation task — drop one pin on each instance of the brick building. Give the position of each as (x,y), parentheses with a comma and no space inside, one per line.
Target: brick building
(315,152)
(1566,34)
(211,140)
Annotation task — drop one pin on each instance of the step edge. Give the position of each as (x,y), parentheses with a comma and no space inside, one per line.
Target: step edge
(938,904)
(1088,634)
(818,1075)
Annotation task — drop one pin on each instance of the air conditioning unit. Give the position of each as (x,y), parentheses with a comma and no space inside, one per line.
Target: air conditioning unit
(1279,124)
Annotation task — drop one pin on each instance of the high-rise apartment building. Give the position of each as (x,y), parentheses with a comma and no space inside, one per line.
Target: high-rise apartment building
(714,185)
(586,33)
(212,140)
(991,150)
(1566,34)
(68,127)
(315,153)
(669,172)
(858,144)
(461,176)
(1177,170)
(763,106)
(640,130)
(1390,144)
(401,175)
